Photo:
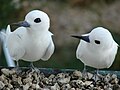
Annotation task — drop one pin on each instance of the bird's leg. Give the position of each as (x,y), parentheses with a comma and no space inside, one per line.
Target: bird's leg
(84,72)
(17,64)
(33,68)
(97,76)
(31,65)
(17,68)
(97,72)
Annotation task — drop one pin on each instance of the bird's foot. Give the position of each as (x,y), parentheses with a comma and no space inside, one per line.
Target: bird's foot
(33,68)
(84,74)
(97,77)
(17,70)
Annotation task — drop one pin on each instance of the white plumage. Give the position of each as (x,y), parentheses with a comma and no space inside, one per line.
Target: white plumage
(32,40)
(97,48)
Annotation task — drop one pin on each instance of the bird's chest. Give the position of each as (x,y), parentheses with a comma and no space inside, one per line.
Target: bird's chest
(92,54)
(94,58)
(36,47)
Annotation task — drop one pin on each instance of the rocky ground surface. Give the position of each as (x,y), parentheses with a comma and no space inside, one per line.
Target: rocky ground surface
(29,79)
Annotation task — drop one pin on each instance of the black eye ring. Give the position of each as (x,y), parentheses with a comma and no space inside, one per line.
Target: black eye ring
(97,41)
(37,20)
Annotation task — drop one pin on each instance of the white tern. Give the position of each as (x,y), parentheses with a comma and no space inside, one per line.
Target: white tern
(97,49)
(31,41)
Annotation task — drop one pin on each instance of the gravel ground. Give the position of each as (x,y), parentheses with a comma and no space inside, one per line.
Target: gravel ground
(28,79)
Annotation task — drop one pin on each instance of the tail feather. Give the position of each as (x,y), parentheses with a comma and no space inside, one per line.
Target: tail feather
(4,33)
(3,36)
(8,30)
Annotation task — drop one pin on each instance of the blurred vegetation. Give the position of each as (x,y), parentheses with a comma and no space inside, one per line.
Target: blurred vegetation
(8,12)
(67,17)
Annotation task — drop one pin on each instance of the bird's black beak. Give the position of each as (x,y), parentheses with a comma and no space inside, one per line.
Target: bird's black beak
(22,23)
(85,38)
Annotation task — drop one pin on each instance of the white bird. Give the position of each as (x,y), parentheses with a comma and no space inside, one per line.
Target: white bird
(97,49)
(31,41)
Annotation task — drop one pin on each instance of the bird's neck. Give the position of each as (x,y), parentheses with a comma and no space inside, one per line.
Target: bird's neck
(35,33)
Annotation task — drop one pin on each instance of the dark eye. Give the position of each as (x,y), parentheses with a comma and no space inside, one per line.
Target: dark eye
(97,41)
(37,20)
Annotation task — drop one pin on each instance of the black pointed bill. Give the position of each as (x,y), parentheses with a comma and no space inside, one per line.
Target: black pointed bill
(85,38)
(22,23)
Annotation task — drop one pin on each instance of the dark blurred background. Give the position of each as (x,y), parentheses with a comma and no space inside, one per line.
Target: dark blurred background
(67,17)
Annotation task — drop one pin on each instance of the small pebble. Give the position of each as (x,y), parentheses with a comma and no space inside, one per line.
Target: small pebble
(90,75)
(26,86)
(1,85)
(55,87)
(72,89)
(77,74)
(66,87)
(88,83)
(7,72)
(32,80)
(64,80)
